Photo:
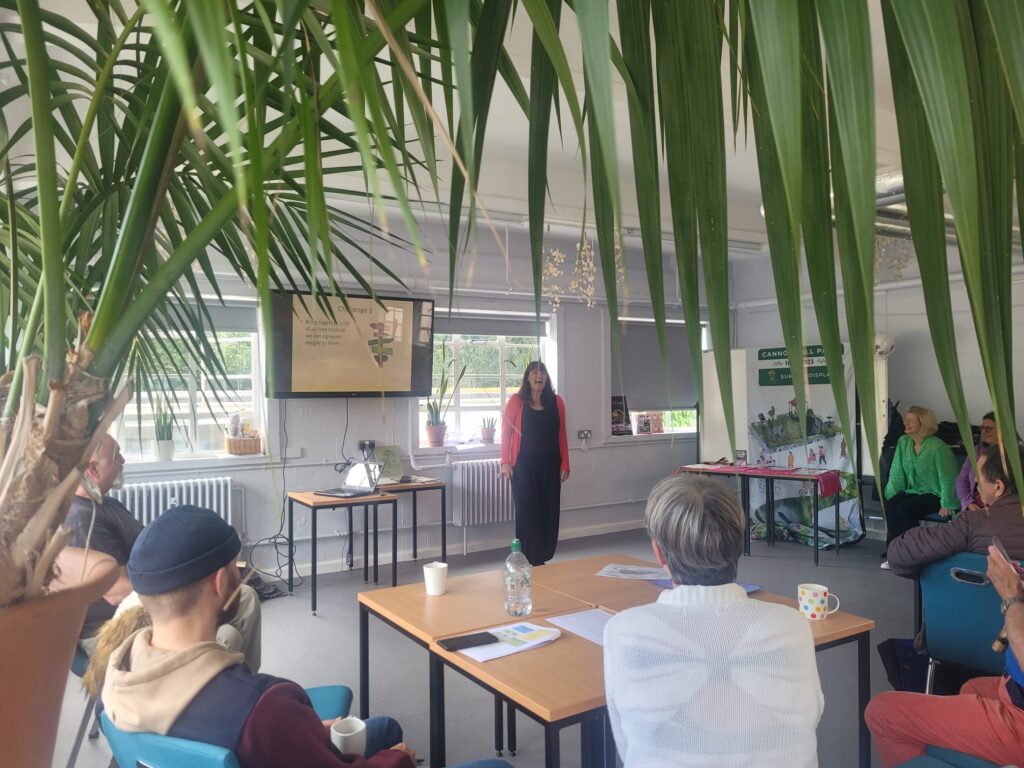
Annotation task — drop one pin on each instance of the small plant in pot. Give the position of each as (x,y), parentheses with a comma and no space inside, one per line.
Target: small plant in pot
(487,429)
(163,427)
(437,406)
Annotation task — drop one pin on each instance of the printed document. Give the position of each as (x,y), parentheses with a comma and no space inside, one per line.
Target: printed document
(513,638)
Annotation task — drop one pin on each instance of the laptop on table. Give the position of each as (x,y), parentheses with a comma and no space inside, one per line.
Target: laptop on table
(360,479)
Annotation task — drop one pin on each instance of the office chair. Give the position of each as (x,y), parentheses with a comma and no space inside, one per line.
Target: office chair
(947,758)
(962,617)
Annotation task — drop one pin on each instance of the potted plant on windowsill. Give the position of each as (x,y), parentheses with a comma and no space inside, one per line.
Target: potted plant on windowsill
(163,426)
(487,429)
(437,407)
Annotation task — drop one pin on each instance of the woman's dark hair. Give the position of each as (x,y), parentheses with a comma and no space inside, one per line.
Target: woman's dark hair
(547,397)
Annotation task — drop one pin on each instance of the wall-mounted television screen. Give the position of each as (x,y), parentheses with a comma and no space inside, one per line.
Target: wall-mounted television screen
(375,346)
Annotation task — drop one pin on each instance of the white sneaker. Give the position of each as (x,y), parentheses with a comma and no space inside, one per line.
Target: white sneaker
(885,566)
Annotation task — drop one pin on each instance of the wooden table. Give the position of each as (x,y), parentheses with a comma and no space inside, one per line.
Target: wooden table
(414,489)
(314,503)
(471,603)
(560,684)
(770,475)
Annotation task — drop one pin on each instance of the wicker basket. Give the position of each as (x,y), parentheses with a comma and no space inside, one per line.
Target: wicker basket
(242,446)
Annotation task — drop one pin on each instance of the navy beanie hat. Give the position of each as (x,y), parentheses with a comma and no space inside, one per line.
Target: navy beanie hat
(179,548)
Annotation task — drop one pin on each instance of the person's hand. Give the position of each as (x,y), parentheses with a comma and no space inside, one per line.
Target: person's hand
(1005,577)
(945,512)
(564,475)
(506,470)
(329,723)
(972,507)
(403,747)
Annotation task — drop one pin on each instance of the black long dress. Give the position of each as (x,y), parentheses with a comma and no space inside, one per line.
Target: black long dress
(536,485)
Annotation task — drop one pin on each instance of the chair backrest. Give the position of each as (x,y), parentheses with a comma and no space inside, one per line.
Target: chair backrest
(961,612)
(150,750)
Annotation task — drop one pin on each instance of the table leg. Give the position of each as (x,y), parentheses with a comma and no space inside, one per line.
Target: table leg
(437,745)
(414,494)
(364,662)
(351,548)
(444,524)
(394,543)
(770,498)
(366,543)
(863,694)
(291,543)
(839,497)
(745,501)
(814,521)
(376,533)
(588,735)
(312,562)
(499,726)
(552,758)
(609,742)
(511,728)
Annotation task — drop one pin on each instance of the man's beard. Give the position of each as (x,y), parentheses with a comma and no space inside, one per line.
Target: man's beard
(118,480)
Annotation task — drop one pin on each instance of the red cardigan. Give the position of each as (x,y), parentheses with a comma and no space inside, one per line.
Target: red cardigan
(512,431)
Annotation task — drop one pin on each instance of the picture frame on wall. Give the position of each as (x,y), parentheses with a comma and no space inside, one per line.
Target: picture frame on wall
(643,423)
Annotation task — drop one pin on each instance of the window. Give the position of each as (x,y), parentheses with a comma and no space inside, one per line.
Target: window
(494,371)
(202,406)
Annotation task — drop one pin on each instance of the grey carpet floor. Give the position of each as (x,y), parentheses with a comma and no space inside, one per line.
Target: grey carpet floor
(323,649)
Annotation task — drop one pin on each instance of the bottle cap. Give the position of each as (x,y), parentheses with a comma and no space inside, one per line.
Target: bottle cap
(516,545)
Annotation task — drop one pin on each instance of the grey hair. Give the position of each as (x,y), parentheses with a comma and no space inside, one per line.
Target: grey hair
(699,526)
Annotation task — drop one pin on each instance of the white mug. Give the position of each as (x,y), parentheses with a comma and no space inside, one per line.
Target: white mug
(813,601)
(349,735)
(435,577)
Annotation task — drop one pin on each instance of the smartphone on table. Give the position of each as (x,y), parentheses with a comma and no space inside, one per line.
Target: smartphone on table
(462,642)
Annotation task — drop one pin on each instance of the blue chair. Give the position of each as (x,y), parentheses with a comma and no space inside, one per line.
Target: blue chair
(78,666)
(947,758)
(155,751)
(962,616)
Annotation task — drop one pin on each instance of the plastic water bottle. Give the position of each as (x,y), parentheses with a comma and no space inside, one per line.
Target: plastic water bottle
(518,577)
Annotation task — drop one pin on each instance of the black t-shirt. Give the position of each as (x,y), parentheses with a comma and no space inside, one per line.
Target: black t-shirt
(540,433)
(113,533)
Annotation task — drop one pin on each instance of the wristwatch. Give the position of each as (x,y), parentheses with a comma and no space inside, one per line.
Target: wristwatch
(1006,603)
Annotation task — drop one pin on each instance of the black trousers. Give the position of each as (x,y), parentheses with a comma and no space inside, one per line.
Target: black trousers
(537,490)
(904,510)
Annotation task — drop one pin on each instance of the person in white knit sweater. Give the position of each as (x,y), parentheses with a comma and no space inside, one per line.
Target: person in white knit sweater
(706,676)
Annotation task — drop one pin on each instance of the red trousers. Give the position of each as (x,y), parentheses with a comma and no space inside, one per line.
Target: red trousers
(981,721)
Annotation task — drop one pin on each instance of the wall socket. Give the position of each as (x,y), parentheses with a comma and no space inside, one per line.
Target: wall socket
(585,434)
(366,448)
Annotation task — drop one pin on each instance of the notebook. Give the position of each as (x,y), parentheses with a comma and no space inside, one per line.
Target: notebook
(359,480)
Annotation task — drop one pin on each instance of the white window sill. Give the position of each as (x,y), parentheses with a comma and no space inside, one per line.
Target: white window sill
(459,452)
(185,464)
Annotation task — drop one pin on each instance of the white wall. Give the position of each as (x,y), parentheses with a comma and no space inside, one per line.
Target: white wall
(608,484)
(899,311)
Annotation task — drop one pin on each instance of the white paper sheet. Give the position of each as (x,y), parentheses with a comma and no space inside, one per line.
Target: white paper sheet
(636,572)
(587,624)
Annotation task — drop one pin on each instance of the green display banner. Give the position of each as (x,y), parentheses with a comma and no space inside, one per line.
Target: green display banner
(783,377)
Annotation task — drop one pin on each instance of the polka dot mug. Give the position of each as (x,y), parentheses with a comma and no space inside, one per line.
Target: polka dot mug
(813,601)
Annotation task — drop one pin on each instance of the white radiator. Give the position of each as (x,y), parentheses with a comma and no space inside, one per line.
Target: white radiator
(482,494)
(147,501)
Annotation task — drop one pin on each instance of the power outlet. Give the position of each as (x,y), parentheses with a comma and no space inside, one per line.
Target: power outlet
(585,434)
(366,448)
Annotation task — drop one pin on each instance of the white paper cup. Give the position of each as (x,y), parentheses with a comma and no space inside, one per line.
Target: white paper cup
(813,601)
(349,735)
(435,576)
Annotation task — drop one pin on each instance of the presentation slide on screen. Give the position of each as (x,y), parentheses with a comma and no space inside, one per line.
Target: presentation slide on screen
(363,348)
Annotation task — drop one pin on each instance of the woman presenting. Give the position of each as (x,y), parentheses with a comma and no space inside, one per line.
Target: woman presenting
(922,479)
(535,457)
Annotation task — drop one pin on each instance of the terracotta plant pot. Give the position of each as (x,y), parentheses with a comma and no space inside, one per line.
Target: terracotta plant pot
(37,643)
(487,435)
(435,435)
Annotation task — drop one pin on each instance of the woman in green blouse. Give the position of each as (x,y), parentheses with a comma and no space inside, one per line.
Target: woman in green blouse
(922,480)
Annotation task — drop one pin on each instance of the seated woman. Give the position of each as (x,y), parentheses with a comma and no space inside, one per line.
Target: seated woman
(922,479)
(707,676)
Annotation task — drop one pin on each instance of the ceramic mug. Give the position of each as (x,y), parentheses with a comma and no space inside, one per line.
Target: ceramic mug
(349,735)
(813,601)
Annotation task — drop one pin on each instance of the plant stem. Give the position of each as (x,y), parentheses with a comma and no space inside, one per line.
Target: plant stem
(50,241)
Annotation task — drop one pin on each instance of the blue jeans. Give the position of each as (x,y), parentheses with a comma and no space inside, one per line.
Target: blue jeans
(385,732)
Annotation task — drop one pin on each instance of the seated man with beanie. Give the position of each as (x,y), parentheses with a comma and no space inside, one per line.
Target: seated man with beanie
(707,676)
(173,678)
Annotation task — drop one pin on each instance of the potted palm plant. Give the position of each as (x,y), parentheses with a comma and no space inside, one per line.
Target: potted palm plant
(487,429)
(163,428)
(437,406)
